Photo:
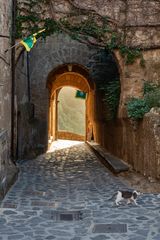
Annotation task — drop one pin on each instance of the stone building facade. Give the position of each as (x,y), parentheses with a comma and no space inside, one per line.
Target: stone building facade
(7,168)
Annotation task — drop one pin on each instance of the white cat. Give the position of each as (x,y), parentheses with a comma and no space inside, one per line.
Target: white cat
(129,196)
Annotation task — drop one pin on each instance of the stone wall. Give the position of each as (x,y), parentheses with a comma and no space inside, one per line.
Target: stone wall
(8,171)
(133,76)
(5,65)
(137,143)
(131,12)
(138,19)
(7,168)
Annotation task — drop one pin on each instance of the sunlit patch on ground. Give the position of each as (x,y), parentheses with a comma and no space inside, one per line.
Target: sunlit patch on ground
(62,144)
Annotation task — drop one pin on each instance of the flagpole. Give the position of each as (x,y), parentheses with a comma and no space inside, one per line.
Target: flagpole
(12,47)
(28,77)
(15,44)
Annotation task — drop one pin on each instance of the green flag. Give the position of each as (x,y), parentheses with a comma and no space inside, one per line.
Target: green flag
(29,42)
(80,94)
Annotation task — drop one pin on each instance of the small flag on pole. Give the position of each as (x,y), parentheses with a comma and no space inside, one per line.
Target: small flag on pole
(29,42)
(80,94)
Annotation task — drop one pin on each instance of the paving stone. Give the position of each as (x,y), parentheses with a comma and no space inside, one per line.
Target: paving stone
(50,237)
(4,238)
(72,181)
(109,228)
(2,221)
(22,228)
(9,205)
(157,237)
(138,238)
(142,218)
(100,237)
(76,238)
(9,212)
(15,237)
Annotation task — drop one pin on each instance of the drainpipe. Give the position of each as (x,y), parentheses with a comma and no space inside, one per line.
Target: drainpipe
(13,78)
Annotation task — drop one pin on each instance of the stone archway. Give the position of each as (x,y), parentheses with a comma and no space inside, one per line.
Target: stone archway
(74,79)
(51,59)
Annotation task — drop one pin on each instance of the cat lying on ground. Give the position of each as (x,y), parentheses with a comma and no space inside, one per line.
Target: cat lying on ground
(129,196)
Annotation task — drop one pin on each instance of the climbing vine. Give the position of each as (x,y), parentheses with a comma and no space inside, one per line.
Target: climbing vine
(111,98)
(136,107)
(85,26)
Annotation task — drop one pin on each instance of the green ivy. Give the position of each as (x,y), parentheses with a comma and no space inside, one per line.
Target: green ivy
(149,87)
(51,27)
(111,97)
(113,44)
(131,54)
(136,108)
(152,98)
(87,28)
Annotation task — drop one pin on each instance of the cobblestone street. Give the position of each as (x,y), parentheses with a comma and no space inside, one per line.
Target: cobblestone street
(65,195)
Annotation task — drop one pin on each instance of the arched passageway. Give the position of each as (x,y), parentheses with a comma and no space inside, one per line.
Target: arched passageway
(75,76)
(66,63)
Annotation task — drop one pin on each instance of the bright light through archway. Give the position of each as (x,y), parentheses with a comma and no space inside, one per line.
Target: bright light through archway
(71,111)
(62,144)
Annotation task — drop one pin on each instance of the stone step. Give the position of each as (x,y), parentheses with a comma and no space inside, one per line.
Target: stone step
(115,164)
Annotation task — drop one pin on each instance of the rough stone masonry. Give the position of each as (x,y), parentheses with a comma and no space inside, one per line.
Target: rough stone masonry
(7,168)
